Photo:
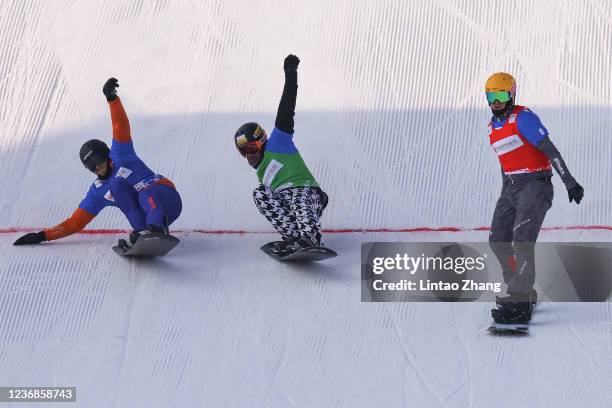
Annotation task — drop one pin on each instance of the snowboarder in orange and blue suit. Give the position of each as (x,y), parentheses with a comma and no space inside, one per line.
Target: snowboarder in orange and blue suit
(149,201)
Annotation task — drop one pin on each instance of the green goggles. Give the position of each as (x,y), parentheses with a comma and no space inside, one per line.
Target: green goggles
(502,97)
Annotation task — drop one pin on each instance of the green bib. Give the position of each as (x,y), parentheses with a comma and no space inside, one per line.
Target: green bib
(279,171)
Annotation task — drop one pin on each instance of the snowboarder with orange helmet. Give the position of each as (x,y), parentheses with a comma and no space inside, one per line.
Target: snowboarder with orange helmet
(527,156)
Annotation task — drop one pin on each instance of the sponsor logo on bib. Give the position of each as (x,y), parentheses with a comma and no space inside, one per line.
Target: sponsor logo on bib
(507,144)
(271,171)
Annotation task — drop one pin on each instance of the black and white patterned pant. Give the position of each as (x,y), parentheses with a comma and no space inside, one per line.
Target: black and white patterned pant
(293,212)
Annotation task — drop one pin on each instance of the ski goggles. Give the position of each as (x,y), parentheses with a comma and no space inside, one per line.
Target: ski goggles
(502,97)
(94,159)
(250,148)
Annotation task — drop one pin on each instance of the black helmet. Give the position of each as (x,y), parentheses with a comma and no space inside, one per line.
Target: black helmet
(250,138)
(93,152)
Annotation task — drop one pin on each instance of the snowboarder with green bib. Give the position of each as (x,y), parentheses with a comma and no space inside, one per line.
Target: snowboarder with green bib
(288,194)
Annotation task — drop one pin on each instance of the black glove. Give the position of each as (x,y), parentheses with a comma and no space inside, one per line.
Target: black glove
(291,63)
(109,89)
(576,193)
(31,238)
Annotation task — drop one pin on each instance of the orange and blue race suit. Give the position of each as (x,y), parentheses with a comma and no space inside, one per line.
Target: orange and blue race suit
(145,197)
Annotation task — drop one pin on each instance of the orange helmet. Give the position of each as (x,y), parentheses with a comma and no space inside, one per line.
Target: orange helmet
(501,82)
(501,87)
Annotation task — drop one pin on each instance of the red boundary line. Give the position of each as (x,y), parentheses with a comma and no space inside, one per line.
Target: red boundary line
(10,230)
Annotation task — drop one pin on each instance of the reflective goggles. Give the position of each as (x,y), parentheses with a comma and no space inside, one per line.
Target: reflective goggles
(502,97)
(250,148)
(95,158)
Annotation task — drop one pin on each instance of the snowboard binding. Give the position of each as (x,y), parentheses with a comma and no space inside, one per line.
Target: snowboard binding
(513,313)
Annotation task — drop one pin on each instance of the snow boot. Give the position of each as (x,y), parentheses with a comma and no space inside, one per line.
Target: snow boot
(533,297)
(514,309)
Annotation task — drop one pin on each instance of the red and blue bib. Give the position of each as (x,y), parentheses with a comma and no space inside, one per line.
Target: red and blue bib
(516,154)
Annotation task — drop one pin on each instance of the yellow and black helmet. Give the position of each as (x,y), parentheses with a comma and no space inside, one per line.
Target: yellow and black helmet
(250,138)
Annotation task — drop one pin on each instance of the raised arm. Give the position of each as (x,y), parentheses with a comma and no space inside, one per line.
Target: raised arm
(121,124)
(77,221)
(286,107)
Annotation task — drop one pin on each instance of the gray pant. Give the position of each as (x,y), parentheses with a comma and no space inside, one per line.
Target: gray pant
(517,220)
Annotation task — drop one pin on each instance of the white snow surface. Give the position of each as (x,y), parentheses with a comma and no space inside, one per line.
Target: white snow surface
(216,323)
(391,118)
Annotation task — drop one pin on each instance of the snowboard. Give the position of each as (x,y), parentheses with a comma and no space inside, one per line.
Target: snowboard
(302,255)
(150,244)
(510,328)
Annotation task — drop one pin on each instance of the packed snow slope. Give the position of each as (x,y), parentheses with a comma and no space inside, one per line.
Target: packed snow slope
(216,323)
(391,114)
(391,118)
